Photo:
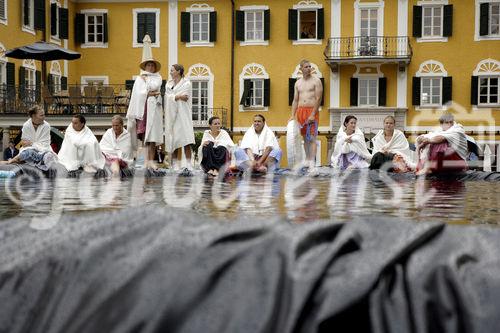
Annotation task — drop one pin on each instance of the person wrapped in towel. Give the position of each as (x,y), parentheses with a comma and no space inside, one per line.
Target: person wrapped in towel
(80,148)
(35,140)
(145,109)
(391,146)
(216,147)
(259,150)
(116,146)
(350,150)
(444,150)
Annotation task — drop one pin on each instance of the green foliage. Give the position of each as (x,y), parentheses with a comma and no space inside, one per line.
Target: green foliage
(197,142)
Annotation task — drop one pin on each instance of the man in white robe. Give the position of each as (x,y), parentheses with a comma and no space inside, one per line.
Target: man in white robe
(116,146)
(80,147)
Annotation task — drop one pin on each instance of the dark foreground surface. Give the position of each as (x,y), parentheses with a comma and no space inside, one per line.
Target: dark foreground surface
(161,270)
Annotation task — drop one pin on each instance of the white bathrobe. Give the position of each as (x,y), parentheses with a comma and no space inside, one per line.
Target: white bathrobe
(138,98)
(455,135)
(398,144)
(259,142)
(178,116)
(80,149)
(117,147)
(357,145)
(40,138)
(223,139)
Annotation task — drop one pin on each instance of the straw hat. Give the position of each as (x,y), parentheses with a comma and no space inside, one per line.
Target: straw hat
(147,54)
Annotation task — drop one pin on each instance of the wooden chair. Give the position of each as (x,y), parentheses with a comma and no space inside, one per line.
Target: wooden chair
(76,99)
(108,98)
(91,97)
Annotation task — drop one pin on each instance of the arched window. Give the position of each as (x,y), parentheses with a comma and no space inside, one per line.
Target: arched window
(297,74)
(255,87)
(202,82)
(484,84)
(54,79)
(431,85)
(3,65)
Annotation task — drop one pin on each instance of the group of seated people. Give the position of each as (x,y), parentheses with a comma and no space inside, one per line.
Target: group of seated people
(443,150)
(259,151)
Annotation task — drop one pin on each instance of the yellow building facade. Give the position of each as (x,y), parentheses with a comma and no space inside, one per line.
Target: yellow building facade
(412,59)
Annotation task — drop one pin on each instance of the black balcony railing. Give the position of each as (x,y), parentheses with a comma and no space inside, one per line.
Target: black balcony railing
(371,47)
(92,100)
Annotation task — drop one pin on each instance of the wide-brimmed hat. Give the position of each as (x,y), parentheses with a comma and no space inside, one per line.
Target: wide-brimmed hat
(147,54)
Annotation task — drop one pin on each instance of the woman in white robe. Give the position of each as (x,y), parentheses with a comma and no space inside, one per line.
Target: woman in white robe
(145,110)
(115,145)
(35,140)
(216,147)
(179,131)
(391,146)
(80,147)
(350,148)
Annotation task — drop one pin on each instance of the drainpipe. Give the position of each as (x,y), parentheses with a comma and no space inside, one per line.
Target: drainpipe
(232,65)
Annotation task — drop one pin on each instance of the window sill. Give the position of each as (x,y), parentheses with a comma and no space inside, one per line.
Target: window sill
(94,46)
(253,108)
(431,108)
(255,43)
(485,106)
(28,30)
(432,40)
(488,37)
(200,44)
(55,40)
(135,44)
(307,42)
(3,21)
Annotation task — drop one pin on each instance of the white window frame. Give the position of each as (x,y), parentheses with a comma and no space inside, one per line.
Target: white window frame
(254,9)
(31,27)
(379,7)
(3,65)
(488,77)
(253,71)
(30,72)
(431,85)
(86,79)
(307,5)
(199,9)
(477,37)
(201,72)
(490,12)
(432,69)
(432,3)
(93,12)
(5,20)
(368,79)
(55,38)
(487,68)
(155,11)
(55,71)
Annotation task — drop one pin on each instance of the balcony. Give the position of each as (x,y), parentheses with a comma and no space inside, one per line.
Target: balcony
(97,103)
(378,49)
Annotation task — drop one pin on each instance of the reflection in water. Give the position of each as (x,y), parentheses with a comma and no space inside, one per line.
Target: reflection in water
(298,199)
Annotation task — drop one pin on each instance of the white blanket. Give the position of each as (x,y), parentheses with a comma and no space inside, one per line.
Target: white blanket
(223,139)
(40,138)
(138,99)
(117,147)
(178,116)
(259,142)
(455,135)
(357,145)
(80,149)
(398,144)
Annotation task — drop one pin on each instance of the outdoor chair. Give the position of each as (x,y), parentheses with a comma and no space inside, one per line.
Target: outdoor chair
(76,99)
(91,98)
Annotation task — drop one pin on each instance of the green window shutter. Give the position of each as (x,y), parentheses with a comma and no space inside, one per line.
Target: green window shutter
(64,83)
(267,92)
(105,28)
(22,78)
(213,27)
(382,91)
(417,21)
(141,26)
(245,98)
(39,14)
(240,25)
(354,91)
(321,23)
(292,24)
(129,84)
(26,12)
(322,79)
(291,89)
(53,19)
(38,86)
(474,83)
(2,9)
(50,83)
(267,24)
(448,20)
(484,17)
(63,23)
(80,28)
(415,91)
(185,27)
(11,74)
(447,90)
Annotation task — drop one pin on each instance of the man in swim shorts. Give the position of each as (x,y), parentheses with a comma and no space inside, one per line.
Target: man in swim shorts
(305,106)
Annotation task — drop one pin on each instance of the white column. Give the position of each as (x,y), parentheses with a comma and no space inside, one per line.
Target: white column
(65,45)
(402,32)
(498,158)
(172,33)
(5,138)
(335,32)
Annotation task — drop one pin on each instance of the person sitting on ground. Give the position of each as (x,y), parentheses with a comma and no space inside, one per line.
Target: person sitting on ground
(116,146)
(259,149)
(391,146)
(216,146)
(35,141)
(10,152)
(350,149)
(80,148)
(444,150)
